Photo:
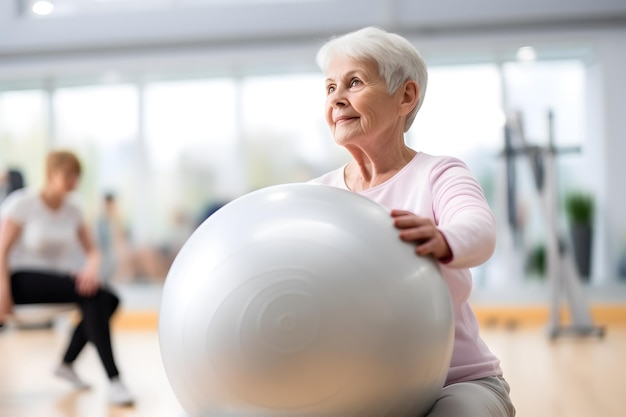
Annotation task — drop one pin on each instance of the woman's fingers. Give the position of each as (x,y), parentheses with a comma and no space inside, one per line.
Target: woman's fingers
(6,308)
(412,227)
(423,232)
(86,285)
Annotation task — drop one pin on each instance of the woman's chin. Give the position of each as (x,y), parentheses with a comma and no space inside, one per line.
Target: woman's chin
(344,140)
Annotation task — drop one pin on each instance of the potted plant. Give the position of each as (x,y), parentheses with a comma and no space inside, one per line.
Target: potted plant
(536,262)
(580,211)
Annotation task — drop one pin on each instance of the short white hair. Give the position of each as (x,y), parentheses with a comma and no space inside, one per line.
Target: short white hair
(398,60)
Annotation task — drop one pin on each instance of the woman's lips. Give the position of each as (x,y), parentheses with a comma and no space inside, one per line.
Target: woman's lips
(344,119)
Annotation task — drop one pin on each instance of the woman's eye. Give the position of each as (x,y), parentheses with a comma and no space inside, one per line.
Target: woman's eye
(330,89)
(354,82)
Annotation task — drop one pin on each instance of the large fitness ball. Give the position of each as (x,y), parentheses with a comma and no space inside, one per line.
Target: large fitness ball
(301,300)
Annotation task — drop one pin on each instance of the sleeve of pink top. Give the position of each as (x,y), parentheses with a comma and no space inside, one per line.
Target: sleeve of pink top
(462,214)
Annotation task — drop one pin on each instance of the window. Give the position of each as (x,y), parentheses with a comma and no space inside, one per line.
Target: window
(100,123)
(24,133)
(191,149)
(285,135)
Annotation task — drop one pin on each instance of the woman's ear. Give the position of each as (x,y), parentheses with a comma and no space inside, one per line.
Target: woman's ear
(410,97)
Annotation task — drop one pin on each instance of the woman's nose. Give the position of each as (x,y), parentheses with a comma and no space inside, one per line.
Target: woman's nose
(338,100)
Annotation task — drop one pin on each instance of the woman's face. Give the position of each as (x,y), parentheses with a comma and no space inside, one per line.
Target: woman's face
(64,181)
(358,108)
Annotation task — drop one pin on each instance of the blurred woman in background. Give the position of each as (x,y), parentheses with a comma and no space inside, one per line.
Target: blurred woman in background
(39,232)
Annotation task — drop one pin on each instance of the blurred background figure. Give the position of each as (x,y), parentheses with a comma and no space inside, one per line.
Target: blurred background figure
(182,226)
(10,181)
(211,208)
(39,232)
(111,237)
(126,261)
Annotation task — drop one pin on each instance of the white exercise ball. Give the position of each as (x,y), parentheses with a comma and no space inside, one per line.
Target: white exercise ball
(301,300)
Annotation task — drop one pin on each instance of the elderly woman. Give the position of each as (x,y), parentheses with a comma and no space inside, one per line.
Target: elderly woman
(375,84)
(38,231)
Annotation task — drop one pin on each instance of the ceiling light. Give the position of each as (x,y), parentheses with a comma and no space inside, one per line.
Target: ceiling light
(43,7)
(526,54)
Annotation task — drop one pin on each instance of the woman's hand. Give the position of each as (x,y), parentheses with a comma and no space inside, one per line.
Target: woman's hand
(9,232)
(87,282)
(6,305)
(424,233)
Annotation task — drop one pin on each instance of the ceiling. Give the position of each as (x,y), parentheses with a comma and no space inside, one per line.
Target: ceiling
(106,31)
(77,25)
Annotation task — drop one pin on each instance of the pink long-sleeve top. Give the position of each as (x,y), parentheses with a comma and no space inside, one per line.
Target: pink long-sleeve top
(443,189)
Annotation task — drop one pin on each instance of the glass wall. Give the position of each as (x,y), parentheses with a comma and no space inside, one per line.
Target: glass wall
(462,116)
(546,101)
(24,133)
(100,124)
(171,150)
(284,131)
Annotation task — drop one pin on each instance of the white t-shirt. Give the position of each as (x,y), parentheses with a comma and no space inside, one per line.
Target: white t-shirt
(49,238)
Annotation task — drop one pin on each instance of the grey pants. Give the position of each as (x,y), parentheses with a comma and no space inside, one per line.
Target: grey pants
(486,397)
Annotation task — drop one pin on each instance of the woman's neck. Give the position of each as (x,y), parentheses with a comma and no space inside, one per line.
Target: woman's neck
(52,198)
(368,170)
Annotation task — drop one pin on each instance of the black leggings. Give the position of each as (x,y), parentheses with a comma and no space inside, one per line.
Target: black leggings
(32,287)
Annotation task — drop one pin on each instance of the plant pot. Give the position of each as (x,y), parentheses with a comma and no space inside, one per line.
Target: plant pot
(581,241)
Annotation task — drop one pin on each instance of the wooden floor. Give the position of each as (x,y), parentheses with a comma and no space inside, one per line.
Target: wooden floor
(568,377)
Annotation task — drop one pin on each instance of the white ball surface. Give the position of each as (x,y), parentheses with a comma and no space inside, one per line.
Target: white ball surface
(301,300)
